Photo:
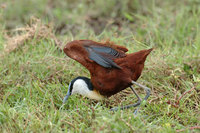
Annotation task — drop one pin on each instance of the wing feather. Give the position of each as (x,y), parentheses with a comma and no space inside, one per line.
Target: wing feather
(103,55)
(87,52)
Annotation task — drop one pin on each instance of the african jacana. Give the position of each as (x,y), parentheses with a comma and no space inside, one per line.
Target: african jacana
(110,68)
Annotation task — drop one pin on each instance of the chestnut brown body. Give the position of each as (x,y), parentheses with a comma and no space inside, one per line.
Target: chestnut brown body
(108,81)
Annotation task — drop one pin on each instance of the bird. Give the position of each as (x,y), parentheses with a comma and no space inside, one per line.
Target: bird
(111,70)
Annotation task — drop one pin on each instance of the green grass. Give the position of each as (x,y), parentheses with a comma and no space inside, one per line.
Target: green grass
(34,78)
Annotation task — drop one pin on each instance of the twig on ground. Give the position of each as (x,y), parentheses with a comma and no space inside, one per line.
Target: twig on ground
(190,128)
(184,95)
(177,101)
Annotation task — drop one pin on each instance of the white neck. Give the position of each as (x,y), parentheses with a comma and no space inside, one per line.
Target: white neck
(81,87)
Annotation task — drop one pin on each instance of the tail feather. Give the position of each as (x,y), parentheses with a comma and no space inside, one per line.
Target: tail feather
(143,55)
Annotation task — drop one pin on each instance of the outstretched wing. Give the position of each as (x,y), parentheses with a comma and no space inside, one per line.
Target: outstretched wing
(87,52)
(103,55)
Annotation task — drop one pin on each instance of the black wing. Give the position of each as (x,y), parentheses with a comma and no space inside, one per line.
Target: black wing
(103,55)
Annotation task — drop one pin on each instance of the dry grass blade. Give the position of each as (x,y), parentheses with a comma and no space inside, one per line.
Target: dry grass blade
(190,128)
(176,104)
(35,30)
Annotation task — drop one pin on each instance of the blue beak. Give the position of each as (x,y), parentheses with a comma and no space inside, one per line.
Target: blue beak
(67,96)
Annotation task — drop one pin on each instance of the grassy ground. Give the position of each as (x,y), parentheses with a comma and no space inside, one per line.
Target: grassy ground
(34,73)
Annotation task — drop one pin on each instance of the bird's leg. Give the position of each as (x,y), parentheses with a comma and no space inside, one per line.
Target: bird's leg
(131,105)
(148,92)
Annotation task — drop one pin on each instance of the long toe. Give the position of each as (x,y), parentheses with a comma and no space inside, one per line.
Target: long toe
(136,111)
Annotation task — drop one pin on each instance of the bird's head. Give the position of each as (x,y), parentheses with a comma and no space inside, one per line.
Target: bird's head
(82,86)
